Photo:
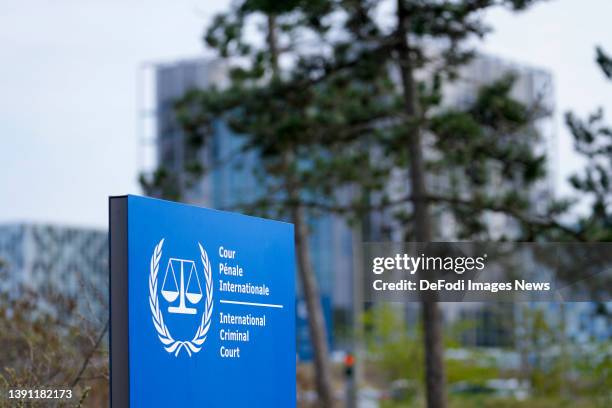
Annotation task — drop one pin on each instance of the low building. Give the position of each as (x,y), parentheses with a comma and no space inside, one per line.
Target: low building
(56,260)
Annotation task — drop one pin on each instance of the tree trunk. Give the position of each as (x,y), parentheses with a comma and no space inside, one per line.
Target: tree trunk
(316,322)
(435,378)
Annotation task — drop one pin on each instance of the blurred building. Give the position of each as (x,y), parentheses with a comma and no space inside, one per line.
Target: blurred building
(230,182)
(51,260)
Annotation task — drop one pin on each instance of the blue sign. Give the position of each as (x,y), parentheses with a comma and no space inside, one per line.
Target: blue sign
(210,307)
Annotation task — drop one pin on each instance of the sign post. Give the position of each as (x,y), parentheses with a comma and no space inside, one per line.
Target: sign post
(202,307)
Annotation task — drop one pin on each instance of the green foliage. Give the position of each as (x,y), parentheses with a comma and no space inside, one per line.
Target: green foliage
(335,118)
(472,372)
(594,368)
(398,352)
(538,402)
(311,120)
(593,141)
(538,337)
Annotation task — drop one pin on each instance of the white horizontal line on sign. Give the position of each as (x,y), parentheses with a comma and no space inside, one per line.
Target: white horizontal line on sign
(235,302)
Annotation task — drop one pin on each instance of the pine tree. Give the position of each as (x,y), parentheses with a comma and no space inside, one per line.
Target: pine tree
(486,132)
(259,104)
(336,100)
(593,141)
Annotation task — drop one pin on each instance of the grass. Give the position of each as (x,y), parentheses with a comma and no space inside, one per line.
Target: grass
(492,402)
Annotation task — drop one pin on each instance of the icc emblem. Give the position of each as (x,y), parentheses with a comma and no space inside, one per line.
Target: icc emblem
(181,293)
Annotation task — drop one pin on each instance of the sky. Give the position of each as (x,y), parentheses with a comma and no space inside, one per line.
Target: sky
(69,89)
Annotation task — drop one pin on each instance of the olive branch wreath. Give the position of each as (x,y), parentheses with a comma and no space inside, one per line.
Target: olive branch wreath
(170,344)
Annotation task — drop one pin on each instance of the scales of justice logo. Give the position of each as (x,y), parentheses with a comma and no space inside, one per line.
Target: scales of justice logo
(182,289)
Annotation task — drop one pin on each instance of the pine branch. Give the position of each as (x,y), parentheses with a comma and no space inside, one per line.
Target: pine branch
(545,223)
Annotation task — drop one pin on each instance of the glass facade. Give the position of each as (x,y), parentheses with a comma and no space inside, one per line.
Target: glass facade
(49,259)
